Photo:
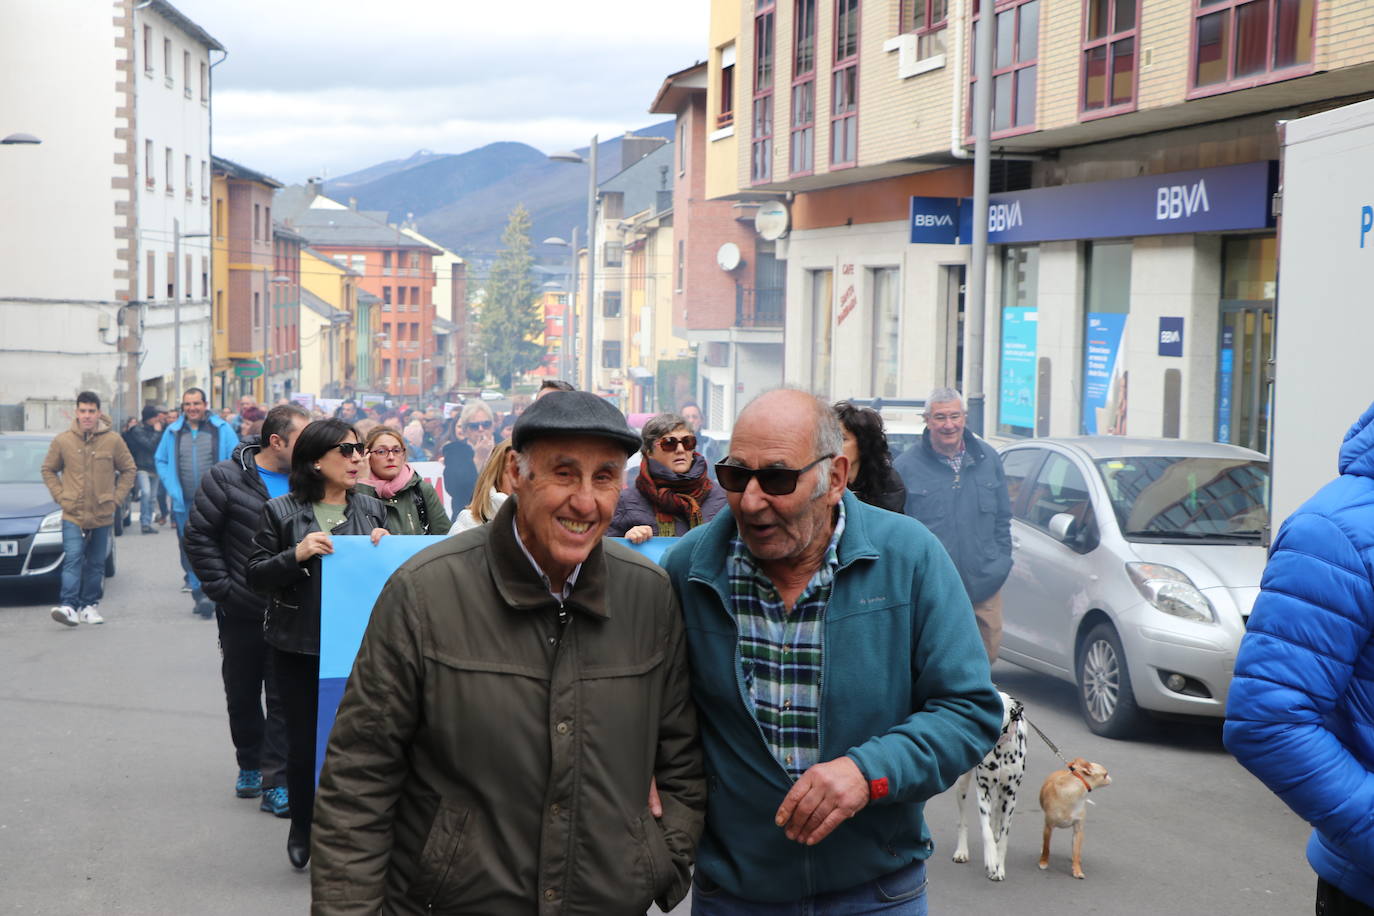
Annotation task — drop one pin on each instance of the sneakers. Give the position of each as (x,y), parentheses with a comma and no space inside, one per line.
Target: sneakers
(90,614)
(186,589)
(274,801)
(148,530)
(249,784)
(65,615)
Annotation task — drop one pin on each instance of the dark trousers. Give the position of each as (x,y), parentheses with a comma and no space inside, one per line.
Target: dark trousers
(298,683)
(1332,901)
(246,666)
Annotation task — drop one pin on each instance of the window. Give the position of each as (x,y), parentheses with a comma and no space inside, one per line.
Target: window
(927,19)
(204,82)
(682,147)
(614,254)
(681,263)
(1017,465)
(1015,55)
(761,140)
(803,138)
(267,223)
(204,277)
(386,298)
(257,222)
(887,328)
(1109,45)
(844,85)
(401,297)
(1107,306)
(171,275)
(726,117)
(1241,43)
(610,304)
(610,354)
(219,218)
(822,327)
(360,263)
(386,263)
(257,309)
(149,176)
(167,166)
(190,179)
(1018,372)
(204,180)
(1061,489)
(152,275)
(148,49)
(186,73)
(167,60)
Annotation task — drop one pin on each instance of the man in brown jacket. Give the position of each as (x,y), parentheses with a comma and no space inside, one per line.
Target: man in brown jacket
(519,688)
(89,472)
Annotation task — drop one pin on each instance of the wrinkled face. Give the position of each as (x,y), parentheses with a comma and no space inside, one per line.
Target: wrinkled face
(677,458)
(945,420)
(338,470)
(87,415)
(387,457)
(564,505)
(693,417)
(246,402)
(193,405)
(851,451)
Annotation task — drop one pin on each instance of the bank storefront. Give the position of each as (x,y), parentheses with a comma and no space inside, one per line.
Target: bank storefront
(1141,306)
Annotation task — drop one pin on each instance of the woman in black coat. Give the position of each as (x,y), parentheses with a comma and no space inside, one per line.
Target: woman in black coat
(672,493)
(296,531)
(871,476)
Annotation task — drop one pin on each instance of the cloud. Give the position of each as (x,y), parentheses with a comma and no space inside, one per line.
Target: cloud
(336,85)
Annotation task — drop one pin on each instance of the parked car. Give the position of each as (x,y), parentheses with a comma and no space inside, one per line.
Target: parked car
(1136,564)
(30,522)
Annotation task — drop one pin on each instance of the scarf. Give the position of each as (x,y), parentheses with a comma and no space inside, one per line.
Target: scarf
(387,489)
(674,496)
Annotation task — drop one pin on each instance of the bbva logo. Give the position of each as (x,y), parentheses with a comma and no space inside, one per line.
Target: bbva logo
(1170,337)
(1002,217)
(932,219)
(1180,200)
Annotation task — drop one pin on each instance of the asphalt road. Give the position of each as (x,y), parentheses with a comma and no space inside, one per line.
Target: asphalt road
(116,787)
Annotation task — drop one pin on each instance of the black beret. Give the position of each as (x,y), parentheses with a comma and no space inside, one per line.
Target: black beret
(573,413)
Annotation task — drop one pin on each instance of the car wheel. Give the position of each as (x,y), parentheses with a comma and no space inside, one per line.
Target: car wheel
(1105,697)
(110,562)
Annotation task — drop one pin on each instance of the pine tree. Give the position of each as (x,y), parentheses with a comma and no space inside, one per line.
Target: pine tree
(510,318)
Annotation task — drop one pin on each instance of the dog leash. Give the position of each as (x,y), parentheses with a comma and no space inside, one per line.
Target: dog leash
(1045,738)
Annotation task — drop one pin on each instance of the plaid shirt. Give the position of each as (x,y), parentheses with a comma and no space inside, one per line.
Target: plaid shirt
(955,461)
(780,654)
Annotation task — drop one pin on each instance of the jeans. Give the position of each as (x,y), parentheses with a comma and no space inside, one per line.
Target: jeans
(83,564)
(298,683)
(147,498)
(189,576)
(902,892)
(259,740)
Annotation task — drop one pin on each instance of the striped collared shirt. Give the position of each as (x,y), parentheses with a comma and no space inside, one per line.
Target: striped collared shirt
(780,654)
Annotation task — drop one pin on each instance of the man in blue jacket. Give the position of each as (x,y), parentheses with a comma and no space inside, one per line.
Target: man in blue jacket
(838,672)
(192,445)
(1300,712)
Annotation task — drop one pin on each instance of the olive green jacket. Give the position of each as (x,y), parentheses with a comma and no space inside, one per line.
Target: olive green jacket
(89,475)
(403,515)
(488,758)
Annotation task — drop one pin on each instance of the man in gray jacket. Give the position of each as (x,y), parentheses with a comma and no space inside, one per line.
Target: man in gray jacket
(518,689)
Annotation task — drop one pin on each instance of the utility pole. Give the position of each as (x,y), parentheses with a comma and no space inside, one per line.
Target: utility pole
(568,369)
(590,305)
(975,304)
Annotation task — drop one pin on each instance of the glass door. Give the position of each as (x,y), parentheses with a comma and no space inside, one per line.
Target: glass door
(1247,339)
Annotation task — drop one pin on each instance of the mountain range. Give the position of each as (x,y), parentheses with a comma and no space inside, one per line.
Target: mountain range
(464,200)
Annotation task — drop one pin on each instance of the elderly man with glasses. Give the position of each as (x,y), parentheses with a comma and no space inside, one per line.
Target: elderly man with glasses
(955,486)
(801,579)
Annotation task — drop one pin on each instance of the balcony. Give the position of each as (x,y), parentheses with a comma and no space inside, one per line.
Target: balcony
(759,308)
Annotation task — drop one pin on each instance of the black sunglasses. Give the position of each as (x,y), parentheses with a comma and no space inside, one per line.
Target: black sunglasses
(349,449)
(479,424)
(670,443)
(773,481)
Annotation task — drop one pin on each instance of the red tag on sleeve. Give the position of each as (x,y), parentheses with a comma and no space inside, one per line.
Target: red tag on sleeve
(877,788)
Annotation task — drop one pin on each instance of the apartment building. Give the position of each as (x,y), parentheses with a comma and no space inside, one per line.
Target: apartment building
(1134,166)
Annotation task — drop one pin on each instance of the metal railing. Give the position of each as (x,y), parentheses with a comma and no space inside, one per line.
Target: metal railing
(759,308)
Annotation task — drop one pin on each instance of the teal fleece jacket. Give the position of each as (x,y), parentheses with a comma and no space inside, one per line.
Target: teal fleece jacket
(905,692)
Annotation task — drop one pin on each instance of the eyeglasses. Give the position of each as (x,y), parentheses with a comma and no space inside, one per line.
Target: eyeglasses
(773,481)
(946,417)
(349,449)
(670,443)
(478,424)
(389,452)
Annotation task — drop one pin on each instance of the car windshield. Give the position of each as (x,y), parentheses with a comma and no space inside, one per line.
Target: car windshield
(1176,498)
(21,460)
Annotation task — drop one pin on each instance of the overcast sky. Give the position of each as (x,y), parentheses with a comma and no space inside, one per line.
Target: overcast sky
(315,87)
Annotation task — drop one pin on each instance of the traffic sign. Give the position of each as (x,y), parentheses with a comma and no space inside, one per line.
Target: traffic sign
(249,368)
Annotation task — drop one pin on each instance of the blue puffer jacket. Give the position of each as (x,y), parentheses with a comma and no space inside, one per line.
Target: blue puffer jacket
(1300,714)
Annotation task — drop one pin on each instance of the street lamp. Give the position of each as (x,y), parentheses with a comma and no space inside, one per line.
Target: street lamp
(567,358)
(590,160)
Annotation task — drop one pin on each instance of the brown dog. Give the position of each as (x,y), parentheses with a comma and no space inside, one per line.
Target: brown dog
(1064,799)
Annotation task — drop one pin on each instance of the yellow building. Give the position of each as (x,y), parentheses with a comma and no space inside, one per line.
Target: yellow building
(330,334)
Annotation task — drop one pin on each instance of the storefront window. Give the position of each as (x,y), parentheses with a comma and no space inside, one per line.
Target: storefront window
(822,327)
(1107,304)
(1249,268)
(1020,321)
(1248,275)
(887,327)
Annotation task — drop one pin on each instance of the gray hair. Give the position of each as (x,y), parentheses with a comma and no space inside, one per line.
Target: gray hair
(659,426)
(471,408)
(943,396)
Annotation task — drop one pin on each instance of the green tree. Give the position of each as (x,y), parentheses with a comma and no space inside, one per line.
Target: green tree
(510,318)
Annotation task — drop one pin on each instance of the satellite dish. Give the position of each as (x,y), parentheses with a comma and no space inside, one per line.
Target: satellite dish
(771,220)
(727,256)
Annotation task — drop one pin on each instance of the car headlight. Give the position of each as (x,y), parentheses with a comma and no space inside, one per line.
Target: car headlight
(1170,591)
(51,522)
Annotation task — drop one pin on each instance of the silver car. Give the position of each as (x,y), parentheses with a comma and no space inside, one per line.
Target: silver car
(1136,564)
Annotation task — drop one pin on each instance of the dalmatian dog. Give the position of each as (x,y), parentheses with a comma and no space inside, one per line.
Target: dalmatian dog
(999,777)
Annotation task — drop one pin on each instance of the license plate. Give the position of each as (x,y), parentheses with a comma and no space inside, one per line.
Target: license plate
(9,548)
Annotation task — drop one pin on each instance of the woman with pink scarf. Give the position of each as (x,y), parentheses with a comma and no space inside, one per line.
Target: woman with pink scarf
(412,506)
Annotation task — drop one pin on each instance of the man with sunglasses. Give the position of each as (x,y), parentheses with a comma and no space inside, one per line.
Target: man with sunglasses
(956,487)
(800,579)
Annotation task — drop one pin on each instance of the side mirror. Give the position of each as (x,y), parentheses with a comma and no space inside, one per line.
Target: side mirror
(1063,527)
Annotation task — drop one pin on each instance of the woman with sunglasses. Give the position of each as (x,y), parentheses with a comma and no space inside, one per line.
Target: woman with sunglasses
(467,453)
(297,529)
(412,505)
(871,476)
(672,493)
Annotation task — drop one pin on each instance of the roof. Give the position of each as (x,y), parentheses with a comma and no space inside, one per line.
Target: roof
(243,173)
(322,308)
(284,232)
(329,259)
(677,87)
(641,182)
(327,224)
(178,19)
(365,296)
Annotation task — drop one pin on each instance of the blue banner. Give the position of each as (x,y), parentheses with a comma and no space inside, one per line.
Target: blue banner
(1016,402)
(1103,382)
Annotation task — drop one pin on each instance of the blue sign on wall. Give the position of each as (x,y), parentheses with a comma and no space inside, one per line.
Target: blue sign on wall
(1016,400)
(934,220)
(1101,368)
(1171,337)
(1226,362)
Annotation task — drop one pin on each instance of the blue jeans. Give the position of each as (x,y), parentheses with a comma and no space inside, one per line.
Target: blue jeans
(898,893)
(147,498)
(83,564)
(189,576)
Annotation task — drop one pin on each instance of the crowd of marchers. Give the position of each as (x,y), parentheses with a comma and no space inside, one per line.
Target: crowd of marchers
(539,717)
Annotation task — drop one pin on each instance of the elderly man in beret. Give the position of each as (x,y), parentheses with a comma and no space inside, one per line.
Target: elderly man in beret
(520,687)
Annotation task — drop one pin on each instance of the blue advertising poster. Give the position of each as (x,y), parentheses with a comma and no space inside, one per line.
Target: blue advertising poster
(1017,400)
(935,220)
(1102,370)
(351,578)
(1225,366)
